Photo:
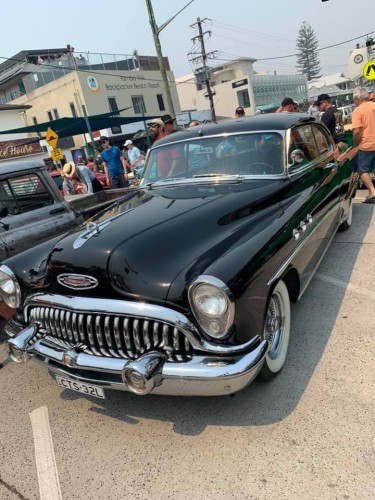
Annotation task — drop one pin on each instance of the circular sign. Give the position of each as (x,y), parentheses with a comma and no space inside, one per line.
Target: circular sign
(358,58)
(368,71)
(92,83)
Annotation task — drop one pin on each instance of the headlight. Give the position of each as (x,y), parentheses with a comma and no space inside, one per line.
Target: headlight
(212,304)
(10,291)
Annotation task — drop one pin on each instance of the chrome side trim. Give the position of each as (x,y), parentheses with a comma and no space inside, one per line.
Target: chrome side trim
(134,309)
(298,247)
(280,271)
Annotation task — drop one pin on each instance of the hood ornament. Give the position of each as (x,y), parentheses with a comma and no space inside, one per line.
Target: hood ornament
(77,281)
(94,229)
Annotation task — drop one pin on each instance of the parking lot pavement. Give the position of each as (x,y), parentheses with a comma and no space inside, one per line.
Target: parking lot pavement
(309,434)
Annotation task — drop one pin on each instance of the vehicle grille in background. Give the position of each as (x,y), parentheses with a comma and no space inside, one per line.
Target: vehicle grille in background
(111,335)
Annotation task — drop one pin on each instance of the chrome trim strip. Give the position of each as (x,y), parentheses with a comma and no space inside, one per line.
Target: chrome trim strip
(143,310)
(278,273)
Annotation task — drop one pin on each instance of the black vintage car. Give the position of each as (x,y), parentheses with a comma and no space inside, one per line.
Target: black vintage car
(184,287)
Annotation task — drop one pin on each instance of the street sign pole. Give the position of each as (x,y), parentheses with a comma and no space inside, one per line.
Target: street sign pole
(89,128)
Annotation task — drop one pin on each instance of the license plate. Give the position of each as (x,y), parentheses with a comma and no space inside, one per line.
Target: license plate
(89,389)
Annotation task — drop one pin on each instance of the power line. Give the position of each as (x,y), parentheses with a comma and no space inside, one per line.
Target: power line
(319,50)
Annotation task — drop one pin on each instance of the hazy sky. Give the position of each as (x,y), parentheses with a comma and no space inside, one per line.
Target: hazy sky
(239,28)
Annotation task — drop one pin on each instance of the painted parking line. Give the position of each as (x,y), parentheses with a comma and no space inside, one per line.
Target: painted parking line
(347,286)
(48,478)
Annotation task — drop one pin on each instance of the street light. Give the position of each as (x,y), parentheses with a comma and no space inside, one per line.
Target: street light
(155,32)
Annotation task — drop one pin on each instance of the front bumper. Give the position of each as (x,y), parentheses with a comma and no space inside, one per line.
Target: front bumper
(203,375)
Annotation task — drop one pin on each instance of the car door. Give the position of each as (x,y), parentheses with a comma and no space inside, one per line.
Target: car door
(36,212)
(317,179)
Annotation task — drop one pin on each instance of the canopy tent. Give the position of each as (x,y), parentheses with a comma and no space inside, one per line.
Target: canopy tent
(65,127)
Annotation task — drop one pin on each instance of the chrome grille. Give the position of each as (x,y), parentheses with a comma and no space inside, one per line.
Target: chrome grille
(110,335)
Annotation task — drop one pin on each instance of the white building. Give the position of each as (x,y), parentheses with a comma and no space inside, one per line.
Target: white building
(236,84)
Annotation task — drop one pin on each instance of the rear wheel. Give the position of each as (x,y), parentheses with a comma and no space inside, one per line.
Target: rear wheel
(276,331)
(344,226)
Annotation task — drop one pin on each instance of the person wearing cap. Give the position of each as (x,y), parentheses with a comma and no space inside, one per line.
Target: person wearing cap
(168,124)
(332,119)
(84,175)
(287,106)
(66,173)
(114,164)
(363,124)
(135,157)
(156,130)
(169,162)
(239,112)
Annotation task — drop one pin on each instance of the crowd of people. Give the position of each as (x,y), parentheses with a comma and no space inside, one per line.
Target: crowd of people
(117,163)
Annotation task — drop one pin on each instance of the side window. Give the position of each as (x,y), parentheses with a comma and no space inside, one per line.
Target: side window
(323,142)
(23,194)
(302,138)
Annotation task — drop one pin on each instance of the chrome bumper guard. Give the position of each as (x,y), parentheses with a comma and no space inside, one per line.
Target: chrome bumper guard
(201,376)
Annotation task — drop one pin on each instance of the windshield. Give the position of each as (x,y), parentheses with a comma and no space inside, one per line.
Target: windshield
(246,154)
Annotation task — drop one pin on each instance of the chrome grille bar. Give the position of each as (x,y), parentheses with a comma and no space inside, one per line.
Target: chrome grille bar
(111,335)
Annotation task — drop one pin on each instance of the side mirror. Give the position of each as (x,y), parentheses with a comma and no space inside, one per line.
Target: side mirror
(296,157)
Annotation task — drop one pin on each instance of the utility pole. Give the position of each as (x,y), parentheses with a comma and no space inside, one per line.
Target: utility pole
(205,69)
(155,34)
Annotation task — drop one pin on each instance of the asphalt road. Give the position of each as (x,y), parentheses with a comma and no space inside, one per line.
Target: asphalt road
(309,434)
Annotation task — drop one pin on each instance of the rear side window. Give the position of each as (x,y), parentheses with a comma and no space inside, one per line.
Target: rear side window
(302,138)
(23,194)
(322,141)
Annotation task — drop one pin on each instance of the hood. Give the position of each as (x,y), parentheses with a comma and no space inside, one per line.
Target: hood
(139,246)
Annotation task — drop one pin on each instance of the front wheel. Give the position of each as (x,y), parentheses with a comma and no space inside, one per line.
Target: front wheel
(276,332)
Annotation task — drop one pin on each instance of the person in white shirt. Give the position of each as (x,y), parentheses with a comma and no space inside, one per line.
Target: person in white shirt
(135,157)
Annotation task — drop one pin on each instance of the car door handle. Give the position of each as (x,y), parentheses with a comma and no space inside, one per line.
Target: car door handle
(57,210)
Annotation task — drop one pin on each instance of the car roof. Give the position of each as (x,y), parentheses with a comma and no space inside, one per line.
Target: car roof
(10,167)
(261,123)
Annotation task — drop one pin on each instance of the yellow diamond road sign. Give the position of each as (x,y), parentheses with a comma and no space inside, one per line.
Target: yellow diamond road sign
(57,154)
(52,138)
(368,71)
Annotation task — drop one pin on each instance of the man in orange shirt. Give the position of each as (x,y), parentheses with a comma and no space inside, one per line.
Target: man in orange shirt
(363,123)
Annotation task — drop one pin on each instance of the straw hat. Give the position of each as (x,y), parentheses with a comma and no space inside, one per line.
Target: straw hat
(68,169)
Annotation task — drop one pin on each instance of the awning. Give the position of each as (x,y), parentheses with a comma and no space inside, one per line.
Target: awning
(65,127)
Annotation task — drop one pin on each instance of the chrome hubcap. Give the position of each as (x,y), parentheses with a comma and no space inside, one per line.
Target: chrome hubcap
(274,325)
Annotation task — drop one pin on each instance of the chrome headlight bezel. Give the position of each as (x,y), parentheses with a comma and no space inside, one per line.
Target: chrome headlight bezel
(212,304)
(10,291)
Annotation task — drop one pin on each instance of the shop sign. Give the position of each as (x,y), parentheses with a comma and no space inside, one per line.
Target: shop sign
(18,148)
(240,83)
